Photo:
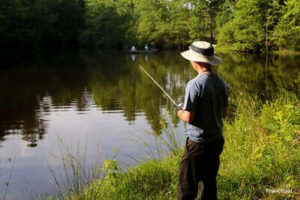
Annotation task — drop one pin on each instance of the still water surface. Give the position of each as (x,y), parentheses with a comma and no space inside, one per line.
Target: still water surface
(107,107)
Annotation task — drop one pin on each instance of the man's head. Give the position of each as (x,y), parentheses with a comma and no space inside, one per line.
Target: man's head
(202,53)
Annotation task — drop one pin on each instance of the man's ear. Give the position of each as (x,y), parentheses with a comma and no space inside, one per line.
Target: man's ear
(194,64)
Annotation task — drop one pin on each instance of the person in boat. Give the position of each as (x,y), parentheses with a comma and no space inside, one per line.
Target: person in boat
(133,48)
(146,47)
(205,104)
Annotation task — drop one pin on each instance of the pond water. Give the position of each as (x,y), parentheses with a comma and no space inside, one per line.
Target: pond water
(107,107)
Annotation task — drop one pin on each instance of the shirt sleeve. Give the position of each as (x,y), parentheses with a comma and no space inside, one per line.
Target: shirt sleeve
(191,97)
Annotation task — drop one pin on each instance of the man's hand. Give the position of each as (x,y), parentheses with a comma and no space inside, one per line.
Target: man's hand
(185,115)
(179,106)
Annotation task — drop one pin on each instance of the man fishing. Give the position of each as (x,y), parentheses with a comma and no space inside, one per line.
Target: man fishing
(205,104)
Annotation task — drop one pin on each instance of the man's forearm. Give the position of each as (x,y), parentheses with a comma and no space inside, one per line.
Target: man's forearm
(185,115)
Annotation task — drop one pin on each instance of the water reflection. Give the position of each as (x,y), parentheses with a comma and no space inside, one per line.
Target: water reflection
(114,83)
(23,98)
(133,57)
(250,73)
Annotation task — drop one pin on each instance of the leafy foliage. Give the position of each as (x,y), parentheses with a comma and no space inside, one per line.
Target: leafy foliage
(260,23)
(287,32)
(240,25)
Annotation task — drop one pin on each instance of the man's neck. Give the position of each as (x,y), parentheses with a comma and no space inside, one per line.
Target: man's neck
(203,70)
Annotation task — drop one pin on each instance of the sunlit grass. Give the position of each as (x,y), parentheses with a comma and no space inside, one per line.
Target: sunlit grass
(261,149)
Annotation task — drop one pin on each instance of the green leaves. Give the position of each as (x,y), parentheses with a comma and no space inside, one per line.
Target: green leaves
(287,32)
(241,25)
(258,24)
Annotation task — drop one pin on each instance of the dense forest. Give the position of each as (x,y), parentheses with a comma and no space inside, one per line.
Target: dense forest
(240,25)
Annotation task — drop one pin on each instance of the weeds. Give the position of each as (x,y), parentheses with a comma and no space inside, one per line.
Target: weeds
(166,143)
(169,138)
(9,164)
(261,149)
(76,173)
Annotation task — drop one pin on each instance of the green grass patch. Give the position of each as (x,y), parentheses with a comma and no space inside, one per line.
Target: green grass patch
(286,52)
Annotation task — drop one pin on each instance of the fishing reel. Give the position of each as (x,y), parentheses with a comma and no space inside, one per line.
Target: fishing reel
(179,106)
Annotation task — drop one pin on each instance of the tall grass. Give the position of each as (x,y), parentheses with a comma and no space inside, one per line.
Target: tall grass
(5,180)
(262,149)
(166,143)
(76,176)
(169,139)
(76,173)
(260,159)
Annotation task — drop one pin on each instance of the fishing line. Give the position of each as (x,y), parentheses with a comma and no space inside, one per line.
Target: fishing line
(159,86)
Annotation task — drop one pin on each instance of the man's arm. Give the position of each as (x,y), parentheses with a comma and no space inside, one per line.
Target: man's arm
(186,116)
(187,112)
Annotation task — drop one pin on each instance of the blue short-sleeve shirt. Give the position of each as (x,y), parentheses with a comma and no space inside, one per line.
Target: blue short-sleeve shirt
(207,95)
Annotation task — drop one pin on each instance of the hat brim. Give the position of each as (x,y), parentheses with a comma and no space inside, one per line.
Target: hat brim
(196,57)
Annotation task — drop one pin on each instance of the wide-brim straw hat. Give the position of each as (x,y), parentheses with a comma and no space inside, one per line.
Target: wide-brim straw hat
(202,51)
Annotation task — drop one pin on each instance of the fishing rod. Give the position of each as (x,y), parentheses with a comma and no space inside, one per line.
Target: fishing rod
(177,105)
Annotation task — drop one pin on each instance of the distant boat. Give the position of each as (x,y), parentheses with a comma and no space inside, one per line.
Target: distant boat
(143,51)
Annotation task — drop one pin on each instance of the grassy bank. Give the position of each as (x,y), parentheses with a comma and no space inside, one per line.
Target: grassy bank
(286,52)
(260,159)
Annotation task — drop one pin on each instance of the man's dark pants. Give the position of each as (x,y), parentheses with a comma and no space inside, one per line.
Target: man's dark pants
(200,162)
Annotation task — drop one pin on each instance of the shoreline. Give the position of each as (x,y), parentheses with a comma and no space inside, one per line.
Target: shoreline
(259,159)
(281,52)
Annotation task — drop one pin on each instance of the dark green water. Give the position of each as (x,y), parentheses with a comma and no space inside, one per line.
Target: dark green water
(106,102)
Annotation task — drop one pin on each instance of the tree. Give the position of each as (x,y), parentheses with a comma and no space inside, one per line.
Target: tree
(107,24)
(246,31)
(163,23)
(16,30)
(262,23)
(204,18)
(287,32)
